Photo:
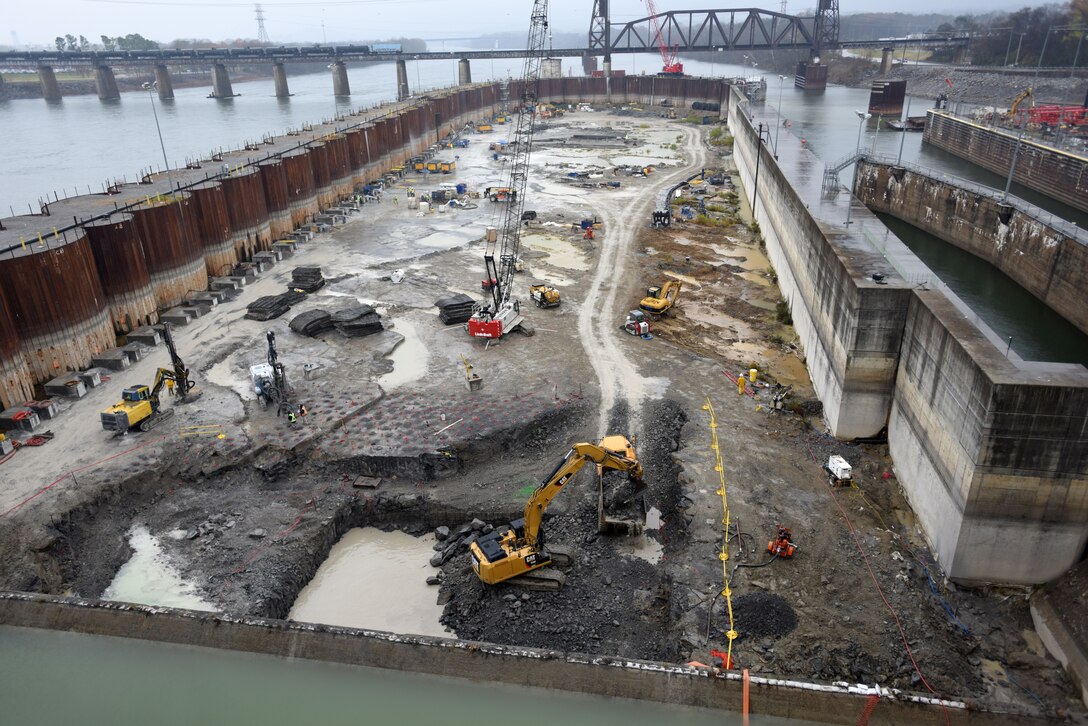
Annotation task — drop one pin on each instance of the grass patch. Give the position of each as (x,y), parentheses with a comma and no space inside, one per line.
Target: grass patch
(782,312)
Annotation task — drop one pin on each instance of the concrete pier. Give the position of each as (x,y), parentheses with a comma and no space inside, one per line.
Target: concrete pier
(340,85)
(221,87)
(105,83)
(50,87)
(166,85)
(464,72)
(279,73)
(402,81)
(886,57)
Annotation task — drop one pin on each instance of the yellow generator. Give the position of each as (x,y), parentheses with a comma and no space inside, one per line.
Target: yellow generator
(544,296)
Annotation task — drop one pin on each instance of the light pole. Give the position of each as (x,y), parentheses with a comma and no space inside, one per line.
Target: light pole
(1016,60)
(781,84)
(862,118)
(150,88)
(903,137)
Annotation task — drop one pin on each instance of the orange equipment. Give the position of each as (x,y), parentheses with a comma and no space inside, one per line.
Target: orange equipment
(782,545)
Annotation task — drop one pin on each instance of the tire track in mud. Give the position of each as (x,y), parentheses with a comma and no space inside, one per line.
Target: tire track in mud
(598,318)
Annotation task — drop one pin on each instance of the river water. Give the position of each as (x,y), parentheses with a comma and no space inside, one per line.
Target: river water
(49,678)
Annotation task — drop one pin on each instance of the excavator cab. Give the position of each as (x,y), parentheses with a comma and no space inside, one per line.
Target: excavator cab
(659,299)
(136,393)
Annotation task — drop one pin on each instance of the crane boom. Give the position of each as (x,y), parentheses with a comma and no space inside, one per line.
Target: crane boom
(668,56)
(502,313)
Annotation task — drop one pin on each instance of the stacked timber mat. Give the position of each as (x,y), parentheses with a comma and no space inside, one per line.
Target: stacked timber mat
(307,279)
(455,309)
(312,322)
(357,321)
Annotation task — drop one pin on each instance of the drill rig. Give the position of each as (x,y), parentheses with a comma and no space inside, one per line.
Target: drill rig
(270,379)
(502,313)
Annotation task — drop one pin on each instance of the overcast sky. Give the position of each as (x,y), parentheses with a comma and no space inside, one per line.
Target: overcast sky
(40,21)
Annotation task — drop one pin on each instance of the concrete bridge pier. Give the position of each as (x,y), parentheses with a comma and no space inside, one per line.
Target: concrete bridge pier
(464,72)
(279,74)
(340,85)
(886,57)
(106,84)
(402,81)
(166,85)
(50,87)
(221,87)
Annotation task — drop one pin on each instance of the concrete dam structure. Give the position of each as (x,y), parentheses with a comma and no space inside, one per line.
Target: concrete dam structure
(990,449)
(72,292)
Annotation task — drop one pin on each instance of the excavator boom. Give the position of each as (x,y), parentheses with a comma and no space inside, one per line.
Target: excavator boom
(516,550)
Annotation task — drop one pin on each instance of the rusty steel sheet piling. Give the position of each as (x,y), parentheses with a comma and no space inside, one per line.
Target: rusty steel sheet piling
(57,305)
(16,383)
(213,225)
(121,262)
(357,154)
(274,178)
(301,192)
(339,165)
(171,240)
(319,160)
(247,212)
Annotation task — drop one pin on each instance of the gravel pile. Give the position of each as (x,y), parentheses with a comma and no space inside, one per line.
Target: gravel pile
(763,614)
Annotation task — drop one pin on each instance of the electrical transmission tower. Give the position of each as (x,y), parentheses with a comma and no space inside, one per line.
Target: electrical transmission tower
(262,34)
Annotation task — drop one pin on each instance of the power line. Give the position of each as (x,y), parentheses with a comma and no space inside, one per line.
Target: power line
(262,34)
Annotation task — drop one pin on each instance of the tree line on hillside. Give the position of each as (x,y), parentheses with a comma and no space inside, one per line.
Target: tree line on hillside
(1048,35)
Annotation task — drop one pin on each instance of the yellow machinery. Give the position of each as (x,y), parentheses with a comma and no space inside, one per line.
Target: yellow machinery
(518,550)
(483,128)
(543,295)
(659,299)
(140,406)
(1025,95)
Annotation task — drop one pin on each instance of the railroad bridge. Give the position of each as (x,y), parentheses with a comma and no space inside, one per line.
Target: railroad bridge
(679,31)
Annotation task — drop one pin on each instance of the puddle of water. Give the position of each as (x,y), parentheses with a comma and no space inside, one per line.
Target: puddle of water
(441,240)
(695,284)
(757,277)
(375,580)
(409,358)
(226,373)
(642,547)
(561,253)
(148,578)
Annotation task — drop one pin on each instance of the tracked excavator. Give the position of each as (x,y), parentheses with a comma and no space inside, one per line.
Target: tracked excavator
(140,406)
(501,314)
(519,551)
(658,300)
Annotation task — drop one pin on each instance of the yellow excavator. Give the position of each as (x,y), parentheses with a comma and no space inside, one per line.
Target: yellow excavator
(140,406)
(659,299)
(1027,94)
(519,551)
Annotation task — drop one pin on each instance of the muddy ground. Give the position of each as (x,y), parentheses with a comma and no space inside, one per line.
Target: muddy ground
(394,439)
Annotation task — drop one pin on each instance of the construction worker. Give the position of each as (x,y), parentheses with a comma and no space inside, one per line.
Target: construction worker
(588,234)
(302,409)
(396,200)
(170,386)
(291,418)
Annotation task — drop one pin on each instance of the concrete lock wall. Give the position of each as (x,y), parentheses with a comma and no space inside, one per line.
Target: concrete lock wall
(1057,174)
(1048,262)
(486,663)
(992,451)
(850,327)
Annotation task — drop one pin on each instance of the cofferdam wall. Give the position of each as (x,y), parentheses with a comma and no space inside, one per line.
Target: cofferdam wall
(137,249)
(1049,261)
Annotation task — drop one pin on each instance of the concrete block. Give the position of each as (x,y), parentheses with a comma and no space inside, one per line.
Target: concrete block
(136,351)
(19,418)
(197,310)
(70,385)
(208,298)
(285,249)
(147,335)
(176,316)
(92,377)
(115,359)
(46,409)
(224,284)
(243,280)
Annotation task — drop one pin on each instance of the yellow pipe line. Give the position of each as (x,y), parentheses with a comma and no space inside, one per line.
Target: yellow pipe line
(723,555)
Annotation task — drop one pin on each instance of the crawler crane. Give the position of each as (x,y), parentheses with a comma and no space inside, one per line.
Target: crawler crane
(502,312)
